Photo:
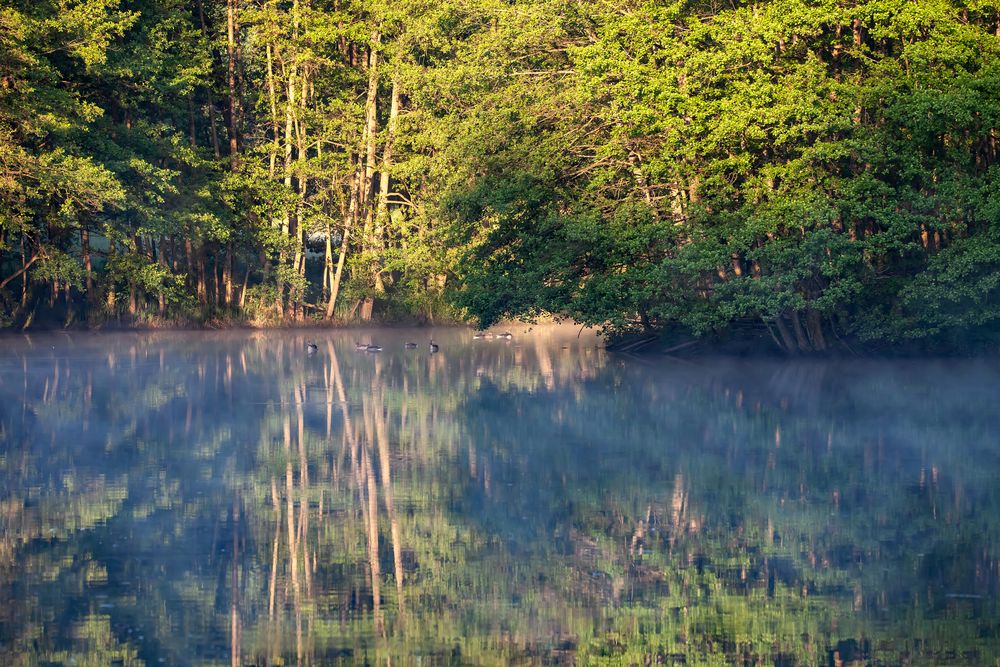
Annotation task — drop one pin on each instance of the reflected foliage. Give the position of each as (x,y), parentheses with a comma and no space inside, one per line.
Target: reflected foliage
(227,498)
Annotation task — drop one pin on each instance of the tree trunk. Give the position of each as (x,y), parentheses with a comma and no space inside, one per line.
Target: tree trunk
(286,218)
(300,236)
(162,260)
(800,336)
(382,209)
(87,270)
(233,100)
(815,329)
(371,139)
(202,283)
(192,133)
(211,101)
(328,261)
(226,293)
(786,336)
(349,219)
(243,290)
(273,98)
(227,275)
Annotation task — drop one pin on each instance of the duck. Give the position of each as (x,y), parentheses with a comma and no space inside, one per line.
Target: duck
(410,346)
(479,335)
(360,347)
(433,347)
(311,347)
(506,334)
(373,348)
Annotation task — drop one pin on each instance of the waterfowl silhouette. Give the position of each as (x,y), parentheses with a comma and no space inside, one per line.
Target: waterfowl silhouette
(360,347)
(373,348)
(410,346)
(479,335)
(311,347)
(506,334)
(433,347)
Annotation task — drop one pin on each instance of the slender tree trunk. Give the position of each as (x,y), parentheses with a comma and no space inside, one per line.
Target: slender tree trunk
(243,290)
(328,261)
(227,274)
(348,220)
(213,131)
(111,298)
(202,281)
(302,150)
(231,7)
(87,270)
(289,125)
(371,139)
(382,209)
(234,153)
(162,260)
(273,98)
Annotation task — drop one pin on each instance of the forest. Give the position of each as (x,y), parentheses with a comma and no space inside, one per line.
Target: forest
(811,174)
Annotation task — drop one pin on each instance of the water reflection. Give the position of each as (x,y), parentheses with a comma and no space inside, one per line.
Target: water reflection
(196,498)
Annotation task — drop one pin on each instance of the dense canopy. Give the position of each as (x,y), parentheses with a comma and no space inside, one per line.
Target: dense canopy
(812,174)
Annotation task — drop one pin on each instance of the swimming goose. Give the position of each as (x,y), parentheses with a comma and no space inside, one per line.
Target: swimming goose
(479,335)
(410,346)
(360,347)
(433,347)
(373,348)
(506,334)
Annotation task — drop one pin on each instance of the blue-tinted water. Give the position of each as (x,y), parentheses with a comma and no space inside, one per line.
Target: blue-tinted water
(227,498)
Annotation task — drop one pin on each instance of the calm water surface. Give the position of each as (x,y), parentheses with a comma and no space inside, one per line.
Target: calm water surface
(225,498)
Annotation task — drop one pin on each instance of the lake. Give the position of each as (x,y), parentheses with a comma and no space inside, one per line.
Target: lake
(202,498)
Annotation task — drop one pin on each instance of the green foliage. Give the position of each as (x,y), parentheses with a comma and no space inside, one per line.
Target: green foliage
(803,165)
(825,172)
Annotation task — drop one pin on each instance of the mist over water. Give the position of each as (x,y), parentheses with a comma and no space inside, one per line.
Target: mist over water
(199,498)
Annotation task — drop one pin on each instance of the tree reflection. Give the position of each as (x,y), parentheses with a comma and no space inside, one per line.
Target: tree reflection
(234,500)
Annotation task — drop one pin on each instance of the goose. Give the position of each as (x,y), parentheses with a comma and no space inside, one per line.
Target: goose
(373,348)
(506,334)
(311,347)
(433,347)
(360,347)
(410,346)
(479,335)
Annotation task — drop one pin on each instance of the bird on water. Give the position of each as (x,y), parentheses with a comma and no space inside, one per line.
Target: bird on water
(506,334)
(433,347)
(410,346)
(373,348)
(360,347)
(311,347)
